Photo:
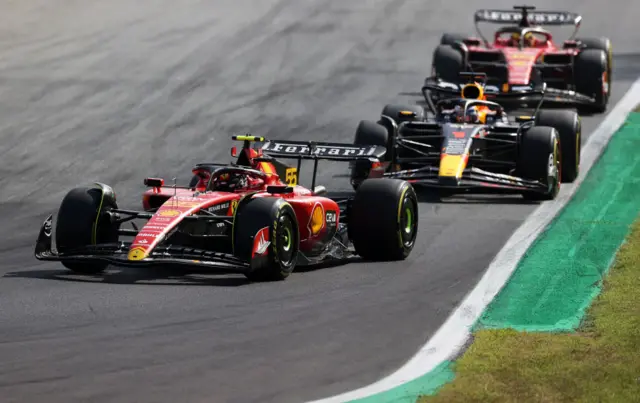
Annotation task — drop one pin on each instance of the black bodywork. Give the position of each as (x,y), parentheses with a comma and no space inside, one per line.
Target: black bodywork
(490,150)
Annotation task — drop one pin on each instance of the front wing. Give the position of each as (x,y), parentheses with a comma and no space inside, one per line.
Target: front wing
(117,254)
(471,179)
(552,97)
(337,249)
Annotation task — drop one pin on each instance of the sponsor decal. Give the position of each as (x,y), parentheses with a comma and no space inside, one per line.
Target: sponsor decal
(185,203)
(261,242)
(160,227)
(328,150)
(515,16)
(234,206)
(160,219)
(169,213)
(136,253)
(147,234)
(330,217)
(456,146)
(143,241)
(219,207)
(458,135)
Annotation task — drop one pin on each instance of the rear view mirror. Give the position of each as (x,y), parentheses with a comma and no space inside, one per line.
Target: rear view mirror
(234,151)
(155,183)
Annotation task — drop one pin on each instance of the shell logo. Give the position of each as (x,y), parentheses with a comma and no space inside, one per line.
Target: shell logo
(169,213)
(136,253)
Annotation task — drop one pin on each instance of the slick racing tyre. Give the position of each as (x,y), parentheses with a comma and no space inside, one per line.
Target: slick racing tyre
(603,44)
(265,234)
(447,63)
(368,133)
(383,219)
(398,113)
(539,158)
(569,127)
(452,38)
(82,221)
(591,76)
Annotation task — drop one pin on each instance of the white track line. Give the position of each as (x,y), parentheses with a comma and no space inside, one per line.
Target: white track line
(454,333)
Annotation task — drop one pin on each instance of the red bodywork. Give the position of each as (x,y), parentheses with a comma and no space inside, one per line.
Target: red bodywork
(521,60)
(175,204)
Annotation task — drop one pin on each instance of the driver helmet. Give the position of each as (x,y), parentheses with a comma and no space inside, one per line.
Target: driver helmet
(472,115)
(530,40)
(515,39)
(230,182)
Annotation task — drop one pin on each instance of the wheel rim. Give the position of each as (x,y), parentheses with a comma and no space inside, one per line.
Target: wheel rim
(408,222)
(286,237)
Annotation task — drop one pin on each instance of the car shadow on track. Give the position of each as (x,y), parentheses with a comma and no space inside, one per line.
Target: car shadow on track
(167,277)
(432,196)
(161,276)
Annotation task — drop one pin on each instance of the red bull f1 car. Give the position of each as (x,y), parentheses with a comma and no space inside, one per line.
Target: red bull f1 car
(465,142)
(523,53)
(248,217)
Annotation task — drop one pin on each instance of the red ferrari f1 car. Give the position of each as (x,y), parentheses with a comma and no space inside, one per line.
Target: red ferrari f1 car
(525,53)
(239,217)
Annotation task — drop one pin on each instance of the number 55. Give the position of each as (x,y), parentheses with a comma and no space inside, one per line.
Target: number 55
(291,176)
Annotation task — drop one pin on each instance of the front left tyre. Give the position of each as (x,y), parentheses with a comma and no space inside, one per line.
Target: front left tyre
(569,127)
(383,219)
(265,234)
(539,159)
(83,220)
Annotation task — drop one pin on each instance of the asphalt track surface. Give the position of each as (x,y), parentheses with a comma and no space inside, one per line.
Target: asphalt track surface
(118,90)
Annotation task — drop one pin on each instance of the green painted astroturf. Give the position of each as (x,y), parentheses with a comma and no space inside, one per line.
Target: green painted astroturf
(561,272)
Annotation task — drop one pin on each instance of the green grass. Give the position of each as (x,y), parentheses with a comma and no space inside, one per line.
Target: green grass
(599,363)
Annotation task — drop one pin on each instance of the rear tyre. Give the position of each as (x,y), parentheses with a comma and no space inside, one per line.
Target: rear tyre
(383,219)
(603,44)
(399,114)
(81,222)
(262,220)
(368,133)
(591,78)
(569,127)
(447,63)
(539,158)
(452,38)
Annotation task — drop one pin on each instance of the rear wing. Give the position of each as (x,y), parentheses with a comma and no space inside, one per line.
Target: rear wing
(311,150)
(525,16)
(436,89)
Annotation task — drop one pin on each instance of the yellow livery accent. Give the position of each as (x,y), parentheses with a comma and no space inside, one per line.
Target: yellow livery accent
(137,253)
(247,138)
(452,165)
(291,176)
(317,219)
(234,206)
(266,168)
